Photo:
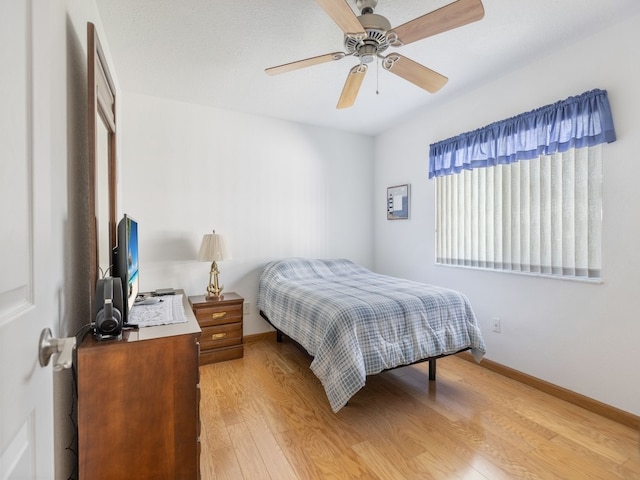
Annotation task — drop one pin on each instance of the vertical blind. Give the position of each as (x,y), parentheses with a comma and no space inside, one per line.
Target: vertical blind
(540,216)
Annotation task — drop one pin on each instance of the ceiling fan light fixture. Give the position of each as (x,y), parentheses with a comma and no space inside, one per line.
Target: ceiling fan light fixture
(367,53)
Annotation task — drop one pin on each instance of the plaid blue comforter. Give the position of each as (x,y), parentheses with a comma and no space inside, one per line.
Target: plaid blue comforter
(356,323)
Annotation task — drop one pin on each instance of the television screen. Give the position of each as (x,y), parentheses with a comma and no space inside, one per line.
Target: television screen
(125,262)
(132,260)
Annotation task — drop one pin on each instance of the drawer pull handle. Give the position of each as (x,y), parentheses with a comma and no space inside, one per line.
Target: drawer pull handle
(216,316)
(218,336)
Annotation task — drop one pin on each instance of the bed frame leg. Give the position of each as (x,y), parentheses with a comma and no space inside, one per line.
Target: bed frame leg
(278,336)
(432,369)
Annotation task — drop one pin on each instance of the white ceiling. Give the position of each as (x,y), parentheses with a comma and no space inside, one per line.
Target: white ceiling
(214,52)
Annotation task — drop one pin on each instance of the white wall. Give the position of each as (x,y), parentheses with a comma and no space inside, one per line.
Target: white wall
(580,336)
(273,188)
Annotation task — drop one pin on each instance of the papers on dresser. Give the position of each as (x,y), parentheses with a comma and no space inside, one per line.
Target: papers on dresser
(168,310)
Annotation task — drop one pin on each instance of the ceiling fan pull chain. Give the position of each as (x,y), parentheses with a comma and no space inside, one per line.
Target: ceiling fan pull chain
(378,76)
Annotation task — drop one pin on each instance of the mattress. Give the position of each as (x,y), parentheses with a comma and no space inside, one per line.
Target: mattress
(355,322)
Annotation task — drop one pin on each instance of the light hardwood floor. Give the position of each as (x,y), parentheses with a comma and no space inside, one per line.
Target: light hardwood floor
(266,417)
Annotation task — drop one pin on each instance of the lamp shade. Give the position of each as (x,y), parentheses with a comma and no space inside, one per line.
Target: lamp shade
(213,248)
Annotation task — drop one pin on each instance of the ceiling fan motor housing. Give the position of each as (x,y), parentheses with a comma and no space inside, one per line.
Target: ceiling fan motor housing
(376,27)
(374,21)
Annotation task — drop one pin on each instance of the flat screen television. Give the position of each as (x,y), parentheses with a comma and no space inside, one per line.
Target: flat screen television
(125,262)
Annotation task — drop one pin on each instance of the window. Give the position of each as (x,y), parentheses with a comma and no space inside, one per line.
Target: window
(537,216)
(525,194)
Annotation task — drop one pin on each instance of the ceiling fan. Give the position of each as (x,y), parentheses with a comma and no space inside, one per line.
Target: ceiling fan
(367,36)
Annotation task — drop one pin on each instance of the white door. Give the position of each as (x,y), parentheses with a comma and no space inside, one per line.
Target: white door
(26,284)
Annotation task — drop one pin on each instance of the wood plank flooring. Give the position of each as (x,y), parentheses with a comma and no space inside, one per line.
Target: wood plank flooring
(266,416)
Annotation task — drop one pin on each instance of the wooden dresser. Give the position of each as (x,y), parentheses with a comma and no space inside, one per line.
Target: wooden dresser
(221,322)
(138,404)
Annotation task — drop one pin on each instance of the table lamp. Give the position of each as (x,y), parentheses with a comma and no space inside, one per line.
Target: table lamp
(213,249)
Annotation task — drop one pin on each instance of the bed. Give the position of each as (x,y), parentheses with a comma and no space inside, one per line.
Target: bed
(354,322)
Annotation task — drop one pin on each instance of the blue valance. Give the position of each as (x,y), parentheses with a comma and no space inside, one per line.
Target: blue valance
(581,121)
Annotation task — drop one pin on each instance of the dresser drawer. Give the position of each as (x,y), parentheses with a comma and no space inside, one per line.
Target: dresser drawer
(221,336)
(218,314)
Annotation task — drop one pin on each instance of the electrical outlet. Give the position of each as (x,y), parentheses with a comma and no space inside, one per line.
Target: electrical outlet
(246,308)
(496,324)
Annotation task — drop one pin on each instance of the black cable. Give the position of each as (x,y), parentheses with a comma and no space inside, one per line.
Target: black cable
(82,332)
(73,444)
(104,273)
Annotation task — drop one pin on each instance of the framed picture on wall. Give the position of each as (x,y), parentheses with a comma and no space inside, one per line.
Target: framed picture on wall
(398,202)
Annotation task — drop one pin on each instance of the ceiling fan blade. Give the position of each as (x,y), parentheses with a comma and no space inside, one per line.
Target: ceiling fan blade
(307,62)
(341,13)
(413,72)
(352,86)
(450,16)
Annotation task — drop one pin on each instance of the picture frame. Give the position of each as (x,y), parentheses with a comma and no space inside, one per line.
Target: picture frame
(398,202)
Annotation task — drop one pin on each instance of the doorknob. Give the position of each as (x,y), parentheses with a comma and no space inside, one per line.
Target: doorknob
(62,346)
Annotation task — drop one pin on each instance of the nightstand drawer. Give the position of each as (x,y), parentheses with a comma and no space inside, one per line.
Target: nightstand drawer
(219,314)
(221,354)
(221,336)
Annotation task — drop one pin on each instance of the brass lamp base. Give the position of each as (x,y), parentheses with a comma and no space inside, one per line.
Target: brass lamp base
(214,290)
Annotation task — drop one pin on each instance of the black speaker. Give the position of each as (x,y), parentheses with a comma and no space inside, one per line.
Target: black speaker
(108,307)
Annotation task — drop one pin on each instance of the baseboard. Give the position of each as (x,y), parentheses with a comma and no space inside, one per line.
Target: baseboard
(607,411)
(258,337)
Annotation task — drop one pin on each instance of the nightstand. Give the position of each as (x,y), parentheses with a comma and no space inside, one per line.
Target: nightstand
(220,320)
